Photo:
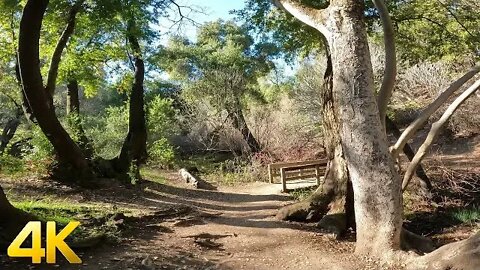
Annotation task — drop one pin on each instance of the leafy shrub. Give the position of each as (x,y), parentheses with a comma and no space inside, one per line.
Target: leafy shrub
(161,153)
(11,165)
(161,126)
(108,132)
(41,149)
(161,120)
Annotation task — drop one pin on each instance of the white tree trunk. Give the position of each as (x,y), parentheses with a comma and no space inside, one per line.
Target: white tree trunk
(376,183)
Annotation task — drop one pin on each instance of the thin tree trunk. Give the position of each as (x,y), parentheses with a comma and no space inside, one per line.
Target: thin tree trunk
(135,145)
(73,112)
(67,150)
(389,78)
(408,151)
(410,131)
(435,131)
(60,47)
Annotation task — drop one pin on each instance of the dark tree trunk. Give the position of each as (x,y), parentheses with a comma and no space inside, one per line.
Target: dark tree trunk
(239,123)
(27,109)
(10,129)
(60,47)
(134,148)
(74,120)
(332,202)
(12,221)
(68,152)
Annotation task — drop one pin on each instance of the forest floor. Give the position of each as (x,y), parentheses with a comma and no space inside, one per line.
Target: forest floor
(164,223)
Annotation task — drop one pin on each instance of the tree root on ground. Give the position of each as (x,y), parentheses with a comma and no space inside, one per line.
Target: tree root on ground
(462,255)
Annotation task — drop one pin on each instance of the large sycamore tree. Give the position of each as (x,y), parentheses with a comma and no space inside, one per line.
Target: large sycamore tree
(362,180)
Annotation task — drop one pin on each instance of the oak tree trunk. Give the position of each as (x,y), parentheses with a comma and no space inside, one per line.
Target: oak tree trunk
(238,120)
(69,155)
(12,221)
(134,149)
(376,183)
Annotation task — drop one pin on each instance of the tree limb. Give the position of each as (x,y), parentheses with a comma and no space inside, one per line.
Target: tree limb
(408,151)
(386,90)
(61,44)
(435,130)
(431,109)
(313,17)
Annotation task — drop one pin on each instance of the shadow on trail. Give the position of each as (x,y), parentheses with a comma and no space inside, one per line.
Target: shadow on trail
(213,195)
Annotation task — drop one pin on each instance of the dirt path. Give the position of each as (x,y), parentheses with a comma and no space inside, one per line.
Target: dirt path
(231,228)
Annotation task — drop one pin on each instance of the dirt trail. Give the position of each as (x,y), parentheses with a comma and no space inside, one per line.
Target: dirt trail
(228,228)
(231,228)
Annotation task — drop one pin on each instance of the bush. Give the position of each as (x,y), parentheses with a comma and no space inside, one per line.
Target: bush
(161,153)
(108,132)
(421,84)
(11,165)
(41,148)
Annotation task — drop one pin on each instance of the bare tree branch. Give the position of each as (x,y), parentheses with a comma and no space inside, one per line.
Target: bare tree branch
(410,131)
(435,130)
(390,75)
(313,17)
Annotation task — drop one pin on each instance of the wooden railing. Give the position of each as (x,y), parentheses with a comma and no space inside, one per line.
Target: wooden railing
(297,170)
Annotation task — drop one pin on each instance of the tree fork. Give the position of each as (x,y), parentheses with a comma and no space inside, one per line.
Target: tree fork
(425,182)
(68,152)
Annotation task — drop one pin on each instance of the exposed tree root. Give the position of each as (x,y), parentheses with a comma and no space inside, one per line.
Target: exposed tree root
(309,210)
(411,241)
(462,255)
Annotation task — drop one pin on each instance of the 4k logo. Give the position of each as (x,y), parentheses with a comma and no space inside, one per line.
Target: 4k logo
(54,241)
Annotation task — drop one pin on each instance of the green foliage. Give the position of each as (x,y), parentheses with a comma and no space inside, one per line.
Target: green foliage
(42,149)
(434,29)
(276,27)
(11,165)
(221,66)
(108,132)
(161,118)
(161,153)
(469,215)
